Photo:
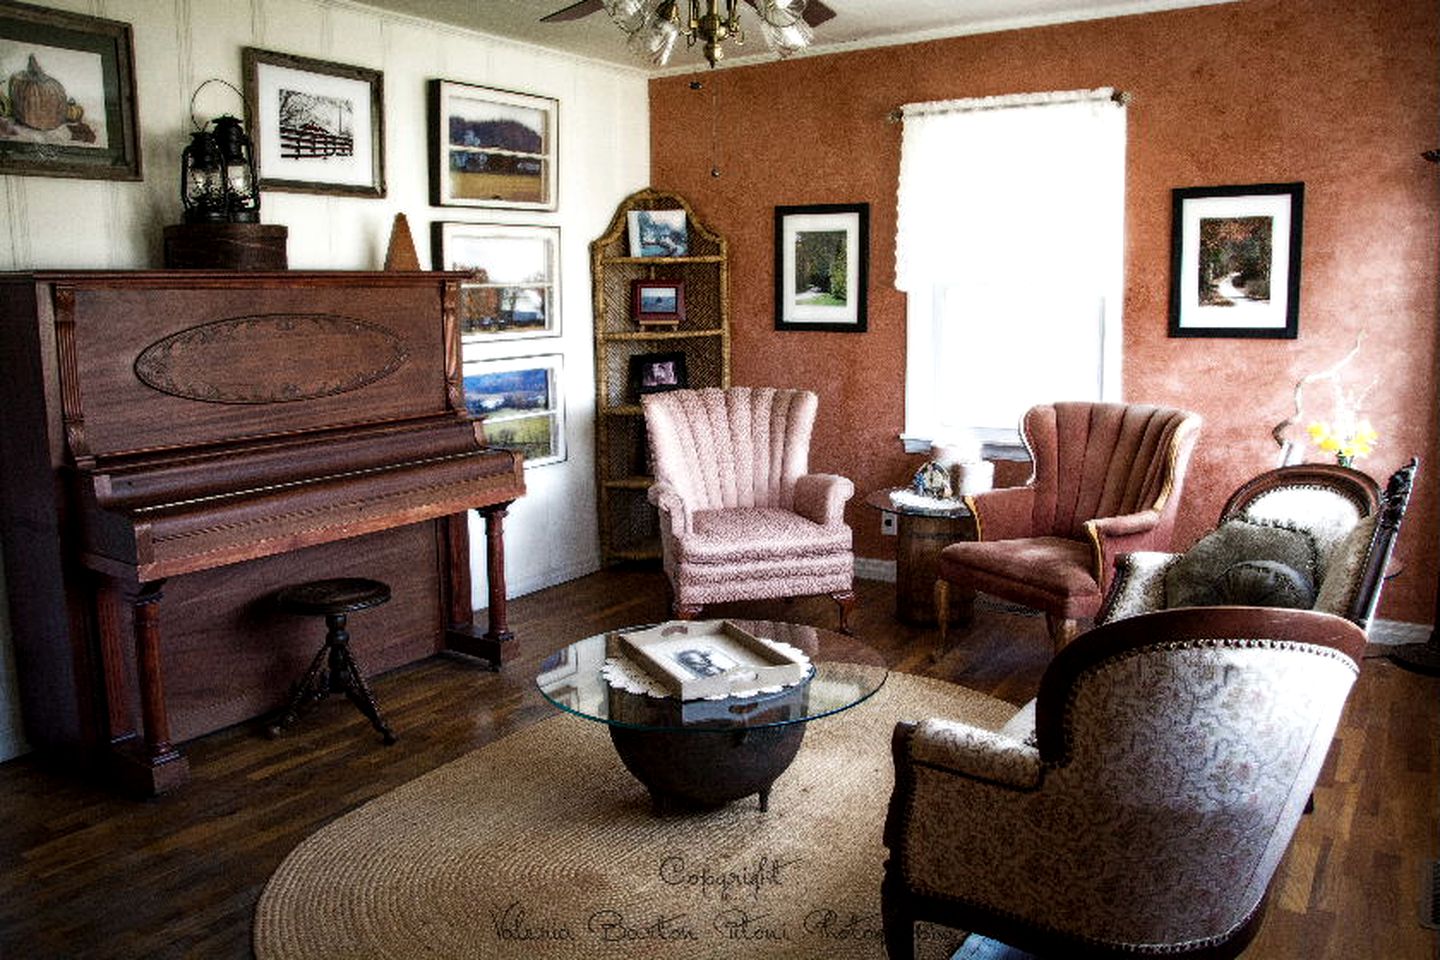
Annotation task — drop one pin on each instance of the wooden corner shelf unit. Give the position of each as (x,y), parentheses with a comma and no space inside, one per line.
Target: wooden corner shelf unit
(629,525)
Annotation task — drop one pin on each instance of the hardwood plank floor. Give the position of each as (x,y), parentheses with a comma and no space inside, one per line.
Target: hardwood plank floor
(85,873)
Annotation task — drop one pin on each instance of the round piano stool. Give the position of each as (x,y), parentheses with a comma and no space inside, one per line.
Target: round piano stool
(334,669)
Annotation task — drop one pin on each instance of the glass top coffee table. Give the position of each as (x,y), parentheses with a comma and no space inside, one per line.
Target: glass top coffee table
(710,752)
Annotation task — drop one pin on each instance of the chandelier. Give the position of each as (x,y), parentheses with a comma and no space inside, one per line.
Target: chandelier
(655,26)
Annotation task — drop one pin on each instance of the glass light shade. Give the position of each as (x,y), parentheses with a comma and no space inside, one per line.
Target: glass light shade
(202,179)
(242,201)
(656,42)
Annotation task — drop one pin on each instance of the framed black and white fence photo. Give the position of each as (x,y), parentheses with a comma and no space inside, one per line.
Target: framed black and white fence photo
(317,127)
(1235,261)
(822,266)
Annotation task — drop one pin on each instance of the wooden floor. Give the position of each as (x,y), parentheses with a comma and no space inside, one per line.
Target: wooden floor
(84,873)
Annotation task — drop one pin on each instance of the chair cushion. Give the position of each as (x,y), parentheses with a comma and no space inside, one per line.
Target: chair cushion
(757,534)
(1252,564)
(1050,573)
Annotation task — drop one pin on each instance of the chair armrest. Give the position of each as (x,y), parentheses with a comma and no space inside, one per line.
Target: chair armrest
(665,497)
(968,751)
(821,497)
(1003,514)
(1113,536)
(1138,585)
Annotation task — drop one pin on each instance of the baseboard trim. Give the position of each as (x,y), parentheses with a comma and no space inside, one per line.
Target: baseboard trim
(871,568)
(1394,632)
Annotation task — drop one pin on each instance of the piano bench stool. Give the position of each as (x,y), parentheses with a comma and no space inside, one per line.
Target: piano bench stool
(334,669)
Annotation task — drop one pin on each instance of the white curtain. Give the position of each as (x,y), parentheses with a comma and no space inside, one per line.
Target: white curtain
(1010,243)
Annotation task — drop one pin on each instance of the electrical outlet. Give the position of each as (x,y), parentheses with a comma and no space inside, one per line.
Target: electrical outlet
(887,523)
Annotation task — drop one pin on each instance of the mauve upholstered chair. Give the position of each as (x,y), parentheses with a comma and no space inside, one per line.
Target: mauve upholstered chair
(741,516)
(1106,480)
(1142,808)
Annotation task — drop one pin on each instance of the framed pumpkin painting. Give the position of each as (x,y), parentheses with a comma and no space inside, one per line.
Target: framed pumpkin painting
(67,95)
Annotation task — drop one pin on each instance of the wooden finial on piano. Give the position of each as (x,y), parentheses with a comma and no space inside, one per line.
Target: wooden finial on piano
(401,253)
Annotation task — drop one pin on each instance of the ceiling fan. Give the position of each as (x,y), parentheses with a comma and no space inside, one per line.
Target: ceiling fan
(654,26)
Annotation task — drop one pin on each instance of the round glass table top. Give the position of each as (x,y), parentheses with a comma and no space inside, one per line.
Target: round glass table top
(841,673)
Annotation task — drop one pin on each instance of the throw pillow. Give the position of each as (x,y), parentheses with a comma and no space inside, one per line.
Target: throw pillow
(1195,578)
(1263,583)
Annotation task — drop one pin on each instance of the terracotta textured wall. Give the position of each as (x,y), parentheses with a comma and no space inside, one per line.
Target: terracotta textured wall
(1340,95)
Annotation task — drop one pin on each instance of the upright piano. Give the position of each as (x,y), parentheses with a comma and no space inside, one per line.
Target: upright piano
(178,445)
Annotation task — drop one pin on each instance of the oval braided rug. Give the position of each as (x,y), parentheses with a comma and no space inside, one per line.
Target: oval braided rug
(541,845)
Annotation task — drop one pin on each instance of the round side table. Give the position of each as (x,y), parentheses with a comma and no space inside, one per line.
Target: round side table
(922,532)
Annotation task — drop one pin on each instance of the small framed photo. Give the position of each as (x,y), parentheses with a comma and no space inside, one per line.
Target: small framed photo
(822,266)
(317,127)
(658,372)
(657,303)
(1235,261)
(67,95)
(492,148)
(520,402)
(658,233)
(515,290)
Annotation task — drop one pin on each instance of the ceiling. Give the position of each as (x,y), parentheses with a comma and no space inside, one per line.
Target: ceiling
(858,23)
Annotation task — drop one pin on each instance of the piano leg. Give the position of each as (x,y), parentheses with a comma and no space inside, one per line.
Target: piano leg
(497,643)
(156,765)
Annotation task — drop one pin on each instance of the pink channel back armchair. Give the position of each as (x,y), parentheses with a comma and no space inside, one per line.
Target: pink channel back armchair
(1106,480)
(741,516)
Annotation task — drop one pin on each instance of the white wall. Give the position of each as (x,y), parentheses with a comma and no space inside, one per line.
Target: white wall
(604,155)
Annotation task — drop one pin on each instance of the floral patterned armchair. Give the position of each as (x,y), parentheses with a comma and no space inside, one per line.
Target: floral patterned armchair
(1171,757)
(741,515)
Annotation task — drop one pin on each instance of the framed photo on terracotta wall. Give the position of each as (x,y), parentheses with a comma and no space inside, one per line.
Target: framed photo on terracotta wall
(822,266)
(492,148)
(67,95)
(1235,261)
(317,126)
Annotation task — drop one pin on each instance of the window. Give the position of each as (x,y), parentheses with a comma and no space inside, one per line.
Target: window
(1010,247)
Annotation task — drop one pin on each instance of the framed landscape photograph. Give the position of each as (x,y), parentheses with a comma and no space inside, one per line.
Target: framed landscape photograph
(657,303)
(1235,261)
(492,148)
(658,233)
(67,95)
(822,266)
(658,372)
(317,127)
(515,292)
(520,402)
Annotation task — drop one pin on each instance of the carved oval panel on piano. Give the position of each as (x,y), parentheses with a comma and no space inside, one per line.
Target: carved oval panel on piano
(250,360)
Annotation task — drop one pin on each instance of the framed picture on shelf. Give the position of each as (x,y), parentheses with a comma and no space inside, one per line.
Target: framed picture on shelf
(515,290)
(658,372)
(822,266)
(658,233)
(657,303)
(317,126)
(1235,261)
(492,148)
(67,89)
(519,399)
